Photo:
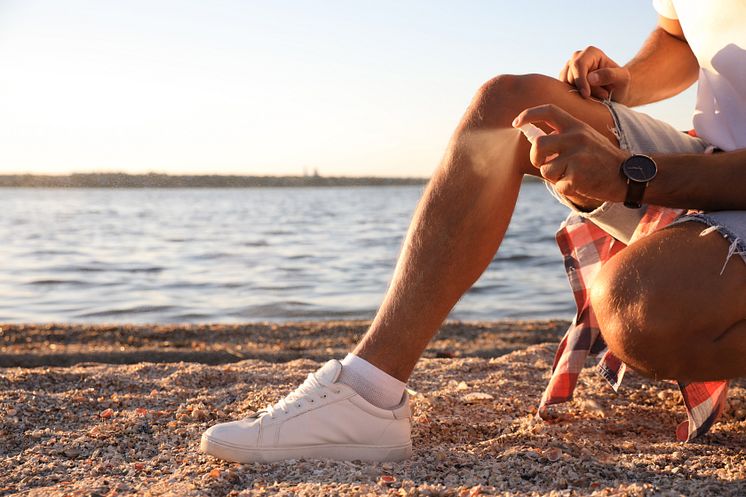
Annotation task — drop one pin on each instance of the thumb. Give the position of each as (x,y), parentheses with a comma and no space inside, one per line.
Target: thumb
(607,76)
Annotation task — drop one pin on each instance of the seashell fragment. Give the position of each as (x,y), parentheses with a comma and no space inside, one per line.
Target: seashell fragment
(473,397)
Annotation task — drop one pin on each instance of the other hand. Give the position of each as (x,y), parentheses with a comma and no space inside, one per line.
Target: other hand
(577,159)
(593,73)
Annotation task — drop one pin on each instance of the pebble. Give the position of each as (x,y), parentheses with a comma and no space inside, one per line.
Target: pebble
(72,453)
(474,397)
(554,454)
(494,446)
(199,414)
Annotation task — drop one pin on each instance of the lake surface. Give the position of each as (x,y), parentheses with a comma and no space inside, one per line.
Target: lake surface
(235,255)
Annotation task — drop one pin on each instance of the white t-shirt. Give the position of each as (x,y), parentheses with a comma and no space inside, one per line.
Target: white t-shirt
(716,32)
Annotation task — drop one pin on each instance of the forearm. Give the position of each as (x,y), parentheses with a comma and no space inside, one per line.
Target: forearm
(665,66)
(696,181)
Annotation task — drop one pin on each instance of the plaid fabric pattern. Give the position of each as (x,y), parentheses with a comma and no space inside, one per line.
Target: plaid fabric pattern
(585,248)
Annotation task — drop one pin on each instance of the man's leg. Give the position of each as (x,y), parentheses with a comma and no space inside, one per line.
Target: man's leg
(463,215)
(455,232)
(664,308)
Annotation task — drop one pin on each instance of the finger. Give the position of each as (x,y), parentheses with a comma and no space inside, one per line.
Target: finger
(600,92)
(553,171)
(546,148)
(606,76)
(555,117)
(579,70)
(563,74)
(564,187)
(566,69)
(570,77)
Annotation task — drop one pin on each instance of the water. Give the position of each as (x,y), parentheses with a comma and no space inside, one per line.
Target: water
(238,255)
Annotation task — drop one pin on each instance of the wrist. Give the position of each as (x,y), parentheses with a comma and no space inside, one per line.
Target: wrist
(619,183)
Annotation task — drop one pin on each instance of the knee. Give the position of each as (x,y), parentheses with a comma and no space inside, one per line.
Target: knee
(499,100)
(633,327)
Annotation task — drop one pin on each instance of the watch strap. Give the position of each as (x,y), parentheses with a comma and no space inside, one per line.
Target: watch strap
(635,191)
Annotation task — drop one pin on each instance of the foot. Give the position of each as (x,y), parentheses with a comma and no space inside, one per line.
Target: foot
(321,419)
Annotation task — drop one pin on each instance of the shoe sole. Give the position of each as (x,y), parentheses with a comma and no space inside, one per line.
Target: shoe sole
(333,452)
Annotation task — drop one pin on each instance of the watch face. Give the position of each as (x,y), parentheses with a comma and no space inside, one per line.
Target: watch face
(639,168)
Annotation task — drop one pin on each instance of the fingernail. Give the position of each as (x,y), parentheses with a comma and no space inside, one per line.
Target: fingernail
(593,78)
(515,122)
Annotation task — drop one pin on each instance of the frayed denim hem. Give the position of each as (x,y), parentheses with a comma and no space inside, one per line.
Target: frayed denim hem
(737,244)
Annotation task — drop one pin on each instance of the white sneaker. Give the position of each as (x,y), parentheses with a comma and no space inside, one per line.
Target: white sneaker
(321,419)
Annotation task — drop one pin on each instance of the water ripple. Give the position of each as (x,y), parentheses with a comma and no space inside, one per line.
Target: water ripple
(247,255)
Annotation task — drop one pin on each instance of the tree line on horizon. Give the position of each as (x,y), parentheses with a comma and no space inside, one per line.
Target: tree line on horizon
(156,180)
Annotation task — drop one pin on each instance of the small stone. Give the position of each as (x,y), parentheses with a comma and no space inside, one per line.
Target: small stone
(474,397)
(107,413)
(531,454)
(71,452)
(554,454)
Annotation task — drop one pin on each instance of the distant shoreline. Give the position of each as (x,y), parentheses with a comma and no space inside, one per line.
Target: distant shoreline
(155,180)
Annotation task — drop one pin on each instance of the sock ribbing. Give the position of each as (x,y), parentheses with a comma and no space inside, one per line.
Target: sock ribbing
(371,383)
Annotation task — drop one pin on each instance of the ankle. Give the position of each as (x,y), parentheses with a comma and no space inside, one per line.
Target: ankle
(371,383)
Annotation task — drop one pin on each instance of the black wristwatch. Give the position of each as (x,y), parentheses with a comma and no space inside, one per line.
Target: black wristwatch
(638,170)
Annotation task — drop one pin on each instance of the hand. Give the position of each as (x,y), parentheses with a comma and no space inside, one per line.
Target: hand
(580,162)
(593,73)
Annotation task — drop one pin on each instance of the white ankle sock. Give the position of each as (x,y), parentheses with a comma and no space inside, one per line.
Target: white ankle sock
(376,386)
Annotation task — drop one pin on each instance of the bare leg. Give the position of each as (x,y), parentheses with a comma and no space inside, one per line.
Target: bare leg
(463,215)
(664,308)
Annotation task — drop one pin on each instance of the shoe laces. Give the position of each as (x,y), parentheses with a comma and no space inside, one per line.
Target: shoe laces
(310,391)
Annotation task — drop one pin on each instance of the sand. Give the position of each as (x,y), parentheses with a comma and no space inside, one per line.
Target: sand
(133,427)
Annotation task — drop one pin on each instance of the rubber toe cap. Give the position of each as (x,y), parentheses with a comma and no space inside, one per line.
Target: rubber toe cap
(243,433)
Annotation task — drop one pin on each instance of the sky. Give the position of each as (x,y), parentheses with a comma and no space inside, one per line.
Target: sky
(268,87)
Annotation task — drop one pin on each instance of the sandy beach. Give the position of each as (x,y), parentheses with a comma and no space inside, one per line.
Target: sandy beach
(117,410)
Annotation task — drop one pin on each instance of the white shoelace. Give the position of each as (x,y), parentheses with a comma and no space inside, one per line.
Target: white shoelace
(310,390)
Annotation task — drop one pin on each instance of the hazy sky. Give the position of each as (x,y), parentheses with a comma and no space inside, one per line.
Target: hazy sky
(273,87)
